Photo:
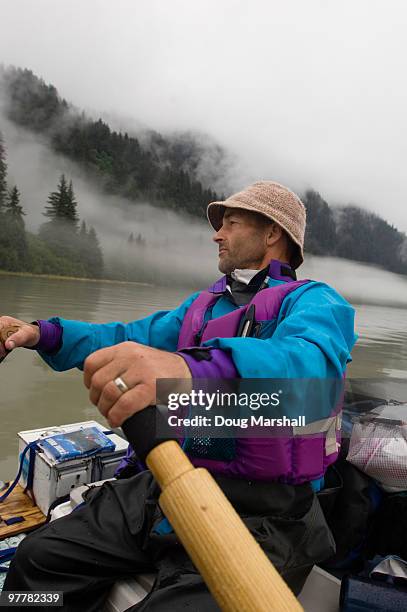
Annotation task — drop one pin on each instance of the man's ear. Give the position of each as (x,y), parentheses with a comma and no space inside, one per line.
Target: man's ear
(274,233)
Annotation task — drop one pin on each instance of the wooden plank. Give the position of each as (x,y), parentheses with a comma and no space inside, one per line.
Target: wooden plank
(19,504)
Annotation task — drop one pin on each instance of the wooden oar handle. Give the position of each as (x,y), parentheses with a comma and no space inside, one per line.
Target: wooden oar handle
(234,567)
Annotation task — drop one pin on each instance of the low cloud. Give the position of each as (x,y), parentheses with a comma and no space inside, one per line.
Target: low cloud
(310,94)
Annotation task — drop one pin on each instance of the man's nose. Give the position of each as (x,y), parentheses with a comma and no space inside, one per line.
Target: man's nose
(218,236)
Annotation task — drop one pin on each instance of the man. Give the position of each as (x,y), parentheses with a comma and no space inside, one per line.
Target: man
(300,330)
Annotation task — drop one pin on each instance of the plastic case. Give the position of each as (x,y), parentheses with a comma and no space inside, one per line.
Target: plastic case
(54,480)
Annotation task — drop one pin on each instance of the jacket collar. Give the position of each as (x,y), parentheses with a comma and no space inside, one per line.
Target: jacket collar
(276,270)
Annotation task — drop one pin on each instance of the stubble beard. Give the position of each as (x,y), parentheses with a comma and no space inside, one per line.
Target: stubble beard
(227,265)
(242,256)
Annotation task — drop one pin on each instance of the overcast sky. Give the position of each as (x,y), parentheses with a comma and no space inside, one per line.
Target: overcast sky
(307,92)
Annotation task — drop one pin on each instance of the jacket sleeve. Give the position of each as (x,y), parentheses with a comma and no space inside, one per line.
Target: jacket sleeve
(79,339)
(313,338)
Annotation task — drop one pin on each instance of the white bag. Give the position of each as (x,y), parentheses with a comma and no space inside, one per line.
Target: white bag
(378,446)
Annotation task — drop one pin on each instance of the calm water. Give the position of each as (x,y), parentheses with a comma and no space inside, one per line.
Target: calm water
(32,395)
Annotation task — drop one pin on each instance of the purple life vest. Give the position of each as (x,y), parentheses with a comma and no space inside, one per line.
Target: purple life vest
(300,457)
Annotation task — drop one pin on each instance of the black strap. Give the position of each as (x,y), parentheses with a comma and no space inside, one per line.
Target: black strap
(141,430)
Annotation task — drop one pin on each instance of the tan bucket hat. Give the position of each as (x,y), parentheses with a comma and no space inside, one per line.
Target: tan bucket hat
(272,200)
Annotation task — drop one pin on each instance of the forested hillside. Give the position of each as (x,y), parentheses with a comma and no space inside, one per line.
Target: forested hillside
(353,233)
(164,171)
(161,171)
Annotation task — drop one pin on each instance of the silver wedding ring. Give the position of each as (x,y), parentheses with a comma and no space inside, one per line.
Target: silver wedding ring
(121,385)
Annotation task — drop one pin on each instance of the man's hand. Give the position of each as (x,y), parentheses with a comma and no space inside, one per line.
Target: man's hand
(139,366)
(14,333)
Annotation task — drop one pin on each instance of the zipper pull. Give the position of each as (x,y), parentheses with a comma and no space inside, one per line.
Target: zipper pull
(247,322)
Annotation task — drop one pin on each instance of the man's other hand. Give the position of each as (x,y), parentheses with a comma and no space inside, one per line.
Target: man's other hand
(139,367)
(14,333)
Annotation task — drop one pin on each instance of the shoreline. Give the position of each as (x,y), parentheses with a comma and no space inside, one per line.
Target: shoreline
(75,278)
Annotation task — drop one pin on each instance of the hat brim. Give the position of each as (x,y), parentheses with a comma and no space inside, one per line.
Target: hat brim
(216,210)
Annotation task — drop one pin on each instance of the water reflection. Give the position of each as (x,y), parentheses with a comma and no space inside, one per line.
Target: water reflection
(30,298)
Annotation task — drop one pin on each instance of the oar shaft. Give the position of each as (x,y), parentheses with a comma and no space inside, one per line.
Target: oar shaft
(234,567)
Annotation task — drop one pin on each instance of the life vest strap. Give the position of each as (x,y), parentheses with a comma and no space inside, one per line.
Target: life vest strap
(329,425)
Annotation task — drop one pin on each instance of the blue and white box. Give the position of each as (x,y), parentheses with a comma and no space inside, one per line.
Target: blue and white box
(54,479)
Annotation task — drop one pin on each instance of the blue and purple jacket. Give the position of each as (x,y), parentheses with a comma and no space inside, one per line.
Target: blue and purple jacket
(306,332)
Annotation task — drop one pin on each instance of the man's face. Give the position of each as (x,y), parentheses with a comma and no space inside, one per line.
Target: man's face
(241,240)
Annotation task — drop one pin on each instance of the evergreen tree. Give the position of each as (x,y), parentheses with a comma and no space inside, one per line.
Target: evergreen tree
(88,252)
(95,257)
(62,204)
(3,174)
(13,240)
(70,211)
(60,232)
(12,207)
(57,201)
(83,232)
